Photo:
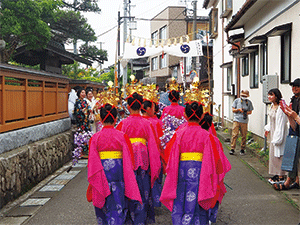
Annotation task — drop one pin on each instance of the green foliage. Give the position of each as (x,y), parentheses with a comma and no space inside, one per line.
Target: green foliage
(68,25)
(83,5)
(93,53)
(110,76)
(21,22)
(254,145)
(249,136)
(36,67)
(74,71)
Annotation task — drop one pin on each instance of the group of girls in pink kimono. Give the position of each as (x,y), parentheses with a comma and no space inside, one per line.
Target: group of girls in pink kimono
(125,166)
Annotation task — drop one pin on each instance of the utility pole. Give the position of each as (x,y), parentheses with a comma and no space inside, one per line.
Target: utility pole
(100,65)
(124,40)
(118,75)
(194,3)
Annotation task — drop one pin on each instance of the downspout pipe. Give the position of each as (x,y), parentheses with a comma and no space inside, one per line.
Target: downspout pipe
(238,62)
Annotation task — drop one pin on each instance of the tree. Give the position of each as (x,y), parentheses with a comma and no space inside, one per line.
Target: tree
(21,23)
(93,53)
(68,25)
(83,5)
(72,26)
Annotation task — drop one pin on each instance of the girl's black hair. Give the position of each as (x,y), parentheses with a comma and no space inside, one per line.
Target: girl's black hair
(194,106)
(88,90)
(137,99)
(206,121)
(146,104)
(174,96)
(79,90)
(277,94)
(104,111)
(156,109)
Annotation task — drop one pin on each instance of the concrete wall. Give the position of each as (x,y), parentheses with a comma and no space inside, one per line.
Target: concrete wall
(17,138)
(22,168)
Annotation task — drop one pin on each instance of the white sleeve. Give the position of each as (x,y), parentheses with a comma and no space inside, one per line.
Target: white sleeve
(280,127)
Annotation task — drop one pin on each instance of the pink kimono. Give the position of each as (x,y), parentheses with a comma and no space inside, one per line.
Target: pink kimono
(173,110)
(203,190)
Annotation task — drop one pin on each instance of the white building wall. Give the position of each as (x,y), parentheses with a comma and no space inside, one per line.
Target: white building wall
(217,62)
(257,119)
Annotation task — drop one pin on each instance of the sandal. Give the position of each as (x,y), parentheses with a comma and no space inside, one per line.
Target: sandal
(280,186)
(294,185)
(273,179)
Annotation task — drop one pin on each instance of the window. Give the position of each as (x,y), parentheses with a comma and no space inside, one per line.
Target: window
(163,33)
(229,78)
(154,37)
(154,65)
(245,66)
(163,61)
(254,70)
(286,57)
(213,23)
(263,60)
(226,8)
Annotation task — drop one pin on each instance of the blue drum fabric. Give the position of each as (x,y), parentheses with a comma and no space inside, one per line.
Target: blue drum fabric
(186,210)
(115,207)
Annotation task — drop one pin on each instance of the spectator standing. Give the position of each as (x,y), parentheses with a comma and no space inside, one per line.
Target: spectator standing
(277,130)
(91,102)
(292,111)
(241,108)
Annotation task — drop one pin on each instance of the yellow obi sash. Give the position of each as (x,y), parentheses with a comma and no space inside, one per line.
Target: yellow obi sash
(195,156)
(111,155)
(141,140)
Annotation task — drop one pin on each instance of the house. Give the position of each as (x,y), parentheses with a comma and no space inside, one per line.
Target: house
(255,46)
(171,23)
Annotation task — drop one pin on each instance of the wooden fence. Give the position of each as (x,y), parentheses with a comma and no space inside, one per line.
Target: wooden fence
(29,97)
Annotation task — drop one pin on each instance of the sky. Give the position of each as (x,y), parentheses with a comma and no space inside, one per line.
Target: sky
(108,18)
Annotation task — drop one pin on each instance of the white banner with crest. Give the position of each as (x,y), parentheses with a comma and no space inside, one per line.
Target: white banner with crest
(186,49)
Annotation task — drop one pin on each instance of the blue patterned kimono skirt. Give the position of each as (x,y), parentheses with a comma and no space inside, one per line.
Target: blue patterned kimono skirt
(142,214)
(156,190)
(115,208)
(186,210)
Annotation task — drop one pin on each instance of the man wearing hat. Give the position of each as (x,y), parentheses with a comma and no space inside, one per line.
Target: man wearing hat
(241,108)
(295,101)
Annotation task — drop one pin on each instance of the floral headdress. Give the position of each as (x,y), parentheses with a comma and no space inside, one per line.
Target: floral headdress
(129,89)
(173,86)
(150,93)
(198,94)
(109,96)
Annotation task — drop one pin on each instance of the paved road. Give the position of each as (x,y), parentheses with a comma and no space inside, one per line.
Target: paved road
(249,200)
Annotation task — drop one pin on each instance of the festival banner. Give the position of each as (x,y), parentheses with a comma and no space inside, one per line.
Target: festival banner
(186,49)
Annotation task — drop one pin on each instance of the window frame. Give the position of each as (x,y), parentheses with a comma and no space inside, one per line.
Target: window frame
(263,60)
(229,78)
(154,37)
(161,60)
(285,78)
(254,71)
(245,65)
(154,63)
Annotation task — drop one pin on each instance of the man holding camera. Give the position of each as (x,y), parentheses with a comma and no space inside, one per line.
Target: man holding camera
(241,108)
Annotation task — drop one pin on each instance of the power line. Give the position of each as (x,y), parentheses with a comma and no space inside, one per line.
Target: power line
(107,31)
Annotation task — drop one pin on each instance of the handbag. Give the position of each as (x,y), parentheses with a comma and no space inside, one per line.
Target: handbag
(291,153)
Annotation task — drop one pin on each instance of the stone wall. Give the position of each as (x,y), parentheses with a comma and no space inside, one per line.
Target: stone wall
(24,167)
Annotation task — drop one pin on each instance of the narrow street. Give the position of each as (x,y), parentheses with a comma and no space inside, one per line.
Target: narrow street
(249,200)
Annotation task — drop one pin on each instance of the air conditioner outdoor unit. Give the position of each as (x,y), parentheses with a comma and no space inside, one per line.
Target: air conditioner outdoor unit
(269,82)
